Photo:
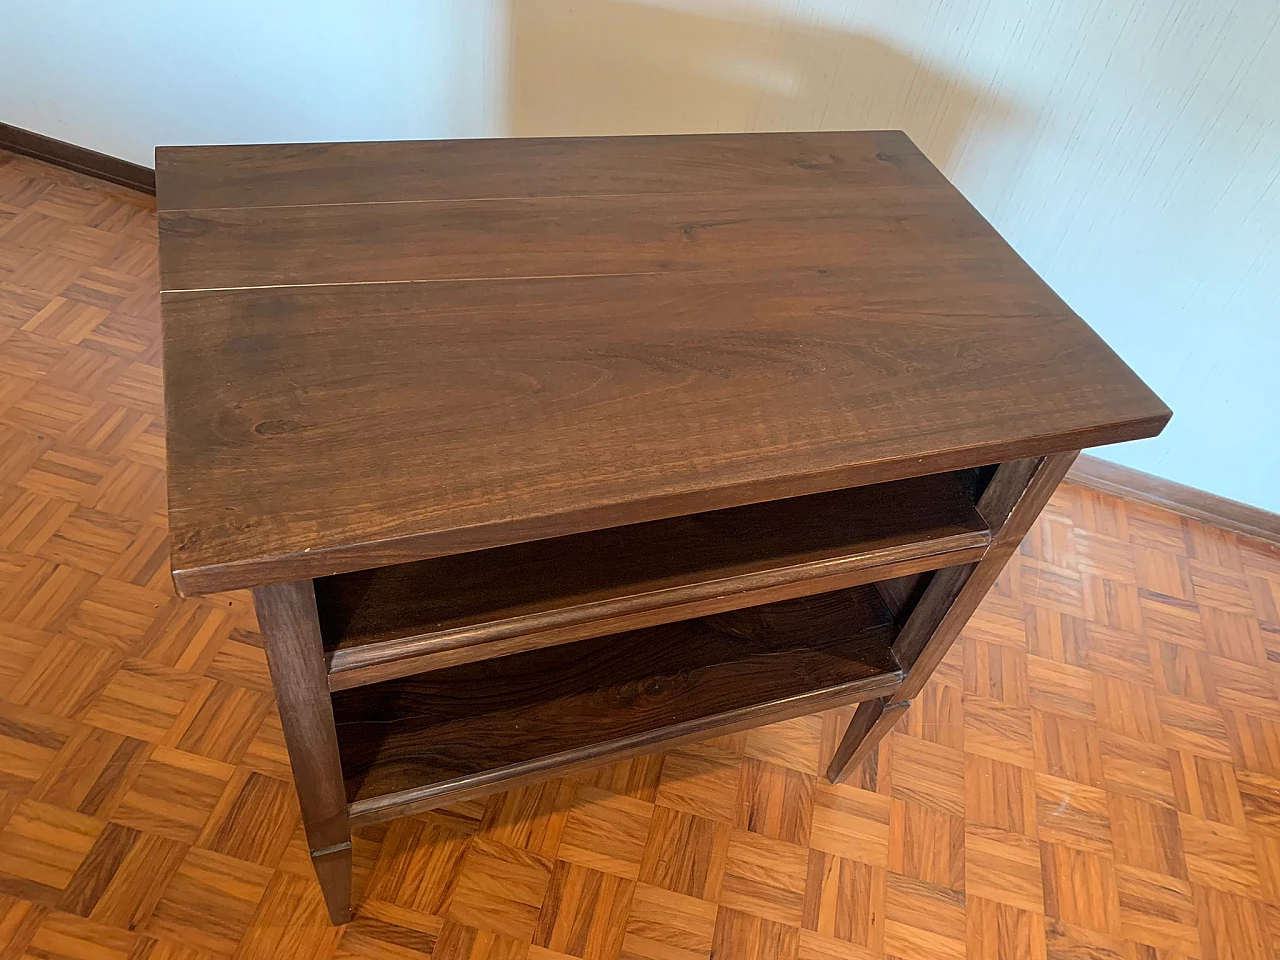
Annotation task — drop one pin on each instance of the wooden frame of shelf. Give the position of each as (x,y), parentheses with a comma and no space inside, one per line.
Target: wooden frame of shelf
(598,445)
(876,584)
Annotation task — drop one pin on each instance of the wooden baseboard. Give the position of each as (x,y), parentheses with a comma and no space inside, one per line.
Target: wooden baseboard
(1206,507)
(79,159)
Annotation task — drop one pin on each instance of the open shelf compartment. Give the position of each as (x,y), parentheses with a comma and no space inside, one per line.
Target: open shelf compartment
(428,739)
(443,612)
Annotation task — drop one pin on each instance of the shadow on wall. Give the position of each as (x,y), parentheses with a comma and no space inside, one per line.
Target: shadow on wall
(611,67)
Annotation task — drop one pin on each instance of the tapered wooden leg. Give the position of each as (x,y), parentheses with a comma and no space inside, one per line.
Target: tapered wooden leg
(871,721)
(295,655)
(333,870)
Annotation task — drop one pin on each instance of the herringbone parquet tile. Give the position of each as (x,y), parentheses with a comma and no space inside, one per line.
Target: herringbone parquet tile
(1093,773)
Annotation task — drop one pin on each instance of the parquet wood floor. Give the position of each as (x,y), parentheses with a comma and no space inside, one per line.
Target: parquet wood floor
(1094,773)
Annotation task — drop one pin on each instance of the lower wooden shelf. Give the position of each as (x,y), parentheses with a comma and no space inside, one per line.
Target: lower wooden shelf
(426,740)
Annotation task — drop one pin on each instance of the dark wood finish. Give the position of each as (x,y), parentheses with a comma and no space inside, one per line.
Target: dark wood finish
(900,593)
(927,611)
(810,326)
(429,797)
(1010,511)
(333,871)
(292,174)
(295,657)
(550,388)
(344,676)
(871,721)
(996,503)
(1007,486)
(428,739)
(568,237)
(1205,507)
(79,159)
(394,621)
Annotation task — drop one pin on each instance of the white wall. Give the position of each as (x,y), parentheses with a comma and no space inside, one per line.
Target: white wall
(123,76)
(1129,149)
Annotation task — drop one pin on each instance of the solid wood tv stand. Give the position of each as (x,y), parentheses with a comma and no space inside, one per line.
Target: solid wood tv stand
(542,453)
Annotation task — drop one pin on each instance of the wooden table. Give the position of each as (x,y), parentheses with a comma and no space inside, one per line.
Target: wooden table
(693,433)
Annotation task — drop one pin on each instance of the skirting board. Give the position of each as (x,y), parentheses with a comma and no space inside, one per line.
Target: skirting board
(1206,507)
(79,159)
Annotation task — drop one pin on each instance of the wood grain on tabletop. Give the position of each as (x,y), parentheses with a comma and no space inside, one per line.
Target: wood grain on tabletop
(797,314)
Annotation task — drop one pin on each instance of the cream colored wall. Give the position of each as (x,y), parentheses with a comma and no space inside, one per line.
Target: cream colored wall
(124,76)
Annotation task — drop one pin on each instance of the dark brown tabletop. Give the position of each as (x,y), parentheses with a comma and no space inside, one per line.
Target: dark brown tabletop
(384,352)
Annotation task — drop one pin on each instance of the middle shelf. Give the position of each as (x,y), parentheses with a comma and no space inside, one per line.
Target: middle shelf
(397,621)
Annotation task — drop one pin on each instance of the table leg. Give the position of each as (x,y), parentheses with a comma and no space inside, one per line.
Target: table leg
(871,721)
(295,656)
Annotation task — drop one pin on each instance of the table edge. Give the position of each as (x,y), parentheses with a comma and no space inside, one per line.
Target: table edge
(346,558)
